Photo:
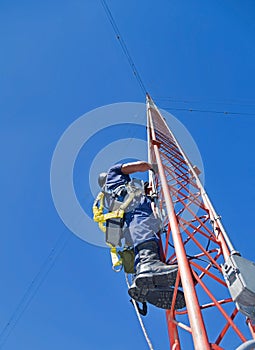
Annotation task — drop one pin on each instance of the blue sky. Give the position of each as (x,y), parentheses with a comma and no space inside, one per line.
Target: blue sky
(60,60)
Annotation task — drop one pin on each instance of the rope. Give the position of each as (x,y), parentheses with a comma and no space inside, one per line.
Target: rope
(123,46)
(140,319)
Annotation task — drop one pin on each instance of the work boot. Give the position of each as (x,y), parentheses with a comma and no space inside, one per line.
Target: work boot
(161,297)
(138,294)
(150,270)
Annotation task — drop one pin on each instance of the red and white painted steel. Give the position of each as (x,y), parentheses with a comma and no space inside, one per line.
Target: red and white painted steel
(195,238)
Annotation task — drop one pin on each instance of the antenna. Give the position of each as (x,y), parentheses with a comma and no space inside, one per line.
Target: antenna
(217,282)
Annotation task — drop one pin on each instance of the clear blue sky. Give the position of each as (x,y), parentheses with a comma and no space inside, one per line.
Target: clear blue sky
(61,59)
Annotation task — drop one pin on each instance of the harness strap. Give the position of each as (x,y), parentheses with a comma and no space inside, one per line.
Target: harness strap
(100,217)
(125,204)
(98,207)
(116,261)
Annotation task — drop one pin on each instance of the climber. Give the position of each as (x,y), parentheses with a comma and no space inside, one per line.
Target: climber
(153,279)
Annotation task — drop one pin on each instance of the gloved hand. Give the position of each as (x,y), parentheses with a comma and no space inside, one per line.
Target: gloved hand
(154,168)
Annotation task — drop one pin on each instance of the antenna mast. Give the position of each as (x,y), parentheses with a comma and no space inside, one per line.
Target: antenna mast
(201,245)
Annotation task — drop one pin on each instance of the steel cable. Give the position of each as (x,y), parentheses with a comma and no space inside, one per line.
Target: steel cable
(33,287)
(123,46)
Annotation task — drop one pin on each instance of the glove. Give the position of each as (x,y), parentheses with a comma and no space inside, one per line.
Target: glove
(154,168)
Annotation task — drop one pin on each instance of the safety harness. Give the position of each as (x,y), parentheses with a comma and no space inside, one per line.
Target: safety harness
(111,221)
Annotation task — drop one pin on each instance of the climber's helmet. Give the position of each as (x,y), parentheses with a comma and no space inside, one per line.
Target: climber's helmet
(102,179)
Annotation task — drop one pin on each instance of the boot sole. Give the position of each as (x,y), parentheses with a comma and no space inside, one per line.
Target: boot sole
(151,281)
(162,298)
(138,294)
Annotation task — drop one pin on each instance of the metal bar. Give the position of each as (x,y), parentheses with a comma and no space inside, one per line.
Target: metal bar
(224,331)
(205,197)
(188,239)
(182,325)
(199,334)
(251,327)
(195,228)
(172,327)
(205,271)
(202,248)
(198,230)
(207,306)
(223,312)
